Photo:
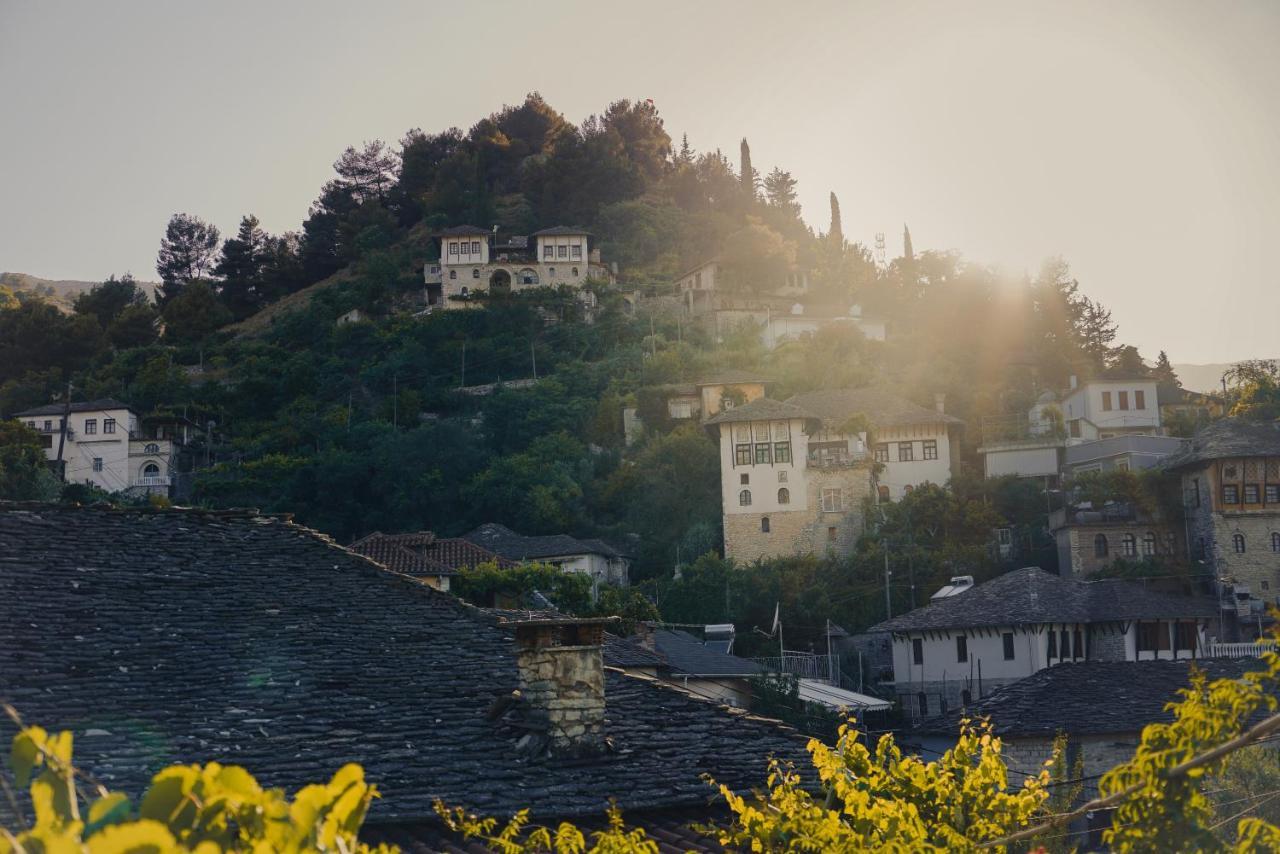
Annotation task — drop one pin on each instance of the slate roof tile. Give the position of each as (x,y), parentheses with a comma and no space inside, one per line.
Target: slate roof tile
(1228,437)
(884,408)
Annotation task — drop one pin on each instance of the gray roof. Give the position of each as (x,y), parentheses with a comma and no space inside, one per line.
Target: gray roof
(728,376)
(688,655)
(180,636)
(503,541)
(883,408)
(1089,697)
(1031,596)
(761,409)
(464,231)
(1229,437)
(102,404)
(560,229)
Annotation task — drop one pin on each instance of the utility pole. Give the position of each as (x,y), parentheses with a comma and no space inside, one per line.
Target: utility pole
(653,337)
(534,355)
(395,400)
(348,410)
(62,435)
(464,363)
(830,668)
(888,607)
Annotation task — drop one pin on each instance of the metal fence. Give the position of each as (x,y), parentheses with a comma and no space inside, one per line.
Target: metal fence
(804,665)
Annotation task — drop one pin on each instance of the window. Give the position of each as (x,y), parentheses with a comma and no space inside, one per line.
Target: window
(465,292)
(743,455)
(97,463)
(1129,545)
(930,449)
(577,251)
(763,456)
(548,251)
(475,246)
(475,272)
(832,500)
(881,452)
(1053,644)
(917,650)
(31,424)
(1122,465)
(1195,492)
(784,496)
(1064,646)
(1008,646)
(1100,545)
(782,477)
(1124,399)
(453,248)
(151,470)
(962,648)
(1185,637)
(923,699)
(882,492)
(453,274)
(1237,543)
(965,697)
(744,498)
(905,452)
(574,271)
(744,479)
(90,425)
(1251,491)
(1170,543)
(108,425)
(1230,493)
(764,524)
(1139,400)
(1079,645)
(782,452)
(831,534)
(562,251)
(1271,495)
(1106,401)
(151,448)
(1153,637)
(1149,544)
(1275,541)
(906,490)
(1075,428)
(551,271)
(48,426)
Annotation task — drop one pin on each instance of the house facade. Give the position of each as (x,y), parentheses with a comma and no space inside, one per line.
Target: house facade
(1091,540)
(707,397)
(106,445)
(474,263)
(1230,473)
(602,562)
(958,649)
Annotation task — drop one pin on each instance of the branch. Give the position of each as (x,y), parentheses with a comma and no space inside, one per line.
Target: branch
(1256,733)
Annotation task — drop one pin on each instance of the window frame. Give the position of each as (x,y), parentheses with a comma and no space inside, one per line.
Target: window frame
(906,452)
(475,247)
(742,454)
(1009,648)
(1129,545)
(1106,401)
(782,452)
(1249,488)
(962,649)
(917,651)
(548,252)
(837,493)
(744,498)
(1271,493)
(929,449)
(1101,548)
(97,464)
(91,426)
(576,251)
(881,452)
(1139,399)
(764,524)
(562,251)
(1231,494)
(784,495)
(1123,400)
(1238,543)
(764,454)
(1149,544)
(108,426)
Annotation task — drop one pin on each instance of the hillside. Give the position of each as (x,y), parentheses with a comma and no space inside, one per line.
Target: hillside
(59,292)
(1204,378)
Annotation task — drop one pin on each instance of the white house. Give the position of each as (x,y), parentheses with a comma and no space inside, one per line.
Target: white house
(1104,407)
(602,562)
(475,262)
(957,649)
(105,445)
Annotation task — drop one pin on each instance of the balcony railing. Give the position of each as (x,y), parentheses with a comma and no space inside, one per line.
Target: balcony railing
(836,459)
(1241,650)
(152,481)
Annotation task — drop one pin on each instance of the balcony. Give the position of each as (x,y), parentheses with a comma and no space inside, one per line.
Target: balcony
(160,480)
(835,459)
(1241,650)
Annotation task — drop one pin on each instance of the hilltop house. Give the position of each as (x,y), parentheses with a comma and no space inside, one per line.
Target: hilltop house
(602,562)
(474,262)
(1230,475)
(706,397)
(172,636)
(793,475)
(109,446)
(958,648)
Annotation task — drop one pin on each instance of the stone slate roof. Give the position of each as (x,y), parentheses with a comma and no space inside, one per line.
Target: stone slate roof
(559,230)
(503,541)
(1090,697)
(761,409)
(628,653)
(728,376)
(106,403)
(464,231)
(1031,596)
(883,408)
(1229,437)
(182,636)
(422,553)
(688,655)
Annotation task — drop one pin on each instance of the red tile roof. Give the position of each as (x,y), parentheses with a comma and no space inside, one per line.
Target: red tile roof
(422,554)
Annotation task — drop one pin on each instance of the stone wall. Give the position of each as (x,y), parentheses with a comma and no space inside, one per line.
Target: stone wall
(809,531)
(1101,753)
(1077,554)
(1106,643)
(1214,527)
(565,686)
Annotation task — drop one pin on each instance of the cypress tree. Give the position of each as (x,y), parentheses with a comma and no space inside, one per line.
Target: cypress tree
(836,233)
(748,175)
(907,251)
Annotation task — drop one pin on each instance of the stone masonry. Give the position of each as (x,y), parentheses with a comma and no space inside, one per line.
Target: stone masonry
(563,683)
(800,532)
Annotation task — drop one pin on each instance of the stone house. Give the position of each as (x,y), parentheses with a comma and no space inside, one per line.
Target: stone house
(263,644)
(957,649)
(1090,540)
(708,396)
(1230,473)
(474,262)
(108,445)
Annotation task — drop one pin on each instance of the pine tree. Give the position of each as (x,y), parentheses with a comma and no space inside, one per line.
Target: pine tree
(1164,372)
(241,266)
(780,190)
(686,153)
(186,254)
(907,251)
(836,233)
(747,175)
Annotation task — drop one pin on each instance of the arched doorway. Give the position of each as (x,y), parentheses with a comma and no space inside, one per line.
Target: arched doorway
(500,282)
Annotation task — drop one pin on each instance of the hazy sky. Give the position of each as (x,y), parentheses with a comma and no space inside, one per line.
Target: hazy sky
(1138,140)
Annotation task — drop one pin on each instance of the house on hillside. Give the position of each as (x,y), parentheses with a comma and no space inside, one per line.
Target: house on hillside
(424,556)
(109,445)
(708,396)
(959,648)
(1091,539)
(1198,406)
(474,263)
(263,644)
(602,562)
(1230,473)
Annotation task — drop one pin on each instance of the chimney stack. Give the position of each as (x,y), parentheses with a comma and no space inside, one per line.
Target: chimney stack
(561,667)
(940,402)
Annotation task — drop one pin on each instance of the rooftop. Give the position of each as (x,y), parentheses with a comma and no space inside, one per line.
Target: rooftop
(1031,596)
(464,231)
(104,404)
(557,230)
(1229,437)
(179,636)
(761,409)
(689,655)
(422,553)
(727,376)
(883,408)
(503,541)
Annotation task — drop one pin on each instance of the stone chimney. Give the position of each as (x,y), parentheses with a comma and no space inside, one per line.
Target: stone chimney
(940,402)
(561,667)
(644,635)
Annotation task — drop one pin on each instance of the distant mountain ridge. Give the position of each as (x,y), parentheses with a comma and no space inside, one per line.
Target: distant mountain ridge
(61,292)
(1204,378)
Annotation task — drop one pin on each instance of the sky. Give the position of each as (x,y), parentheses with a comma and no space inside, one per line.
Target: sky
(1138,140)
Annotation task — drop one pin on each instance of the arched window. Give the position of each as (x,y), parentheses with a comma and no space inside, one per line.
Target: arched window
(575,272)
(1237,542)
(475,272)
(1100,545)
(528,276)
(551,271)
(784,496)
(1149,544)
(1275,541)
(453,274)
(744,498)
(150,470)
(764,524)
(1129,545)
(465,291)
(151,448)
(883,492)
